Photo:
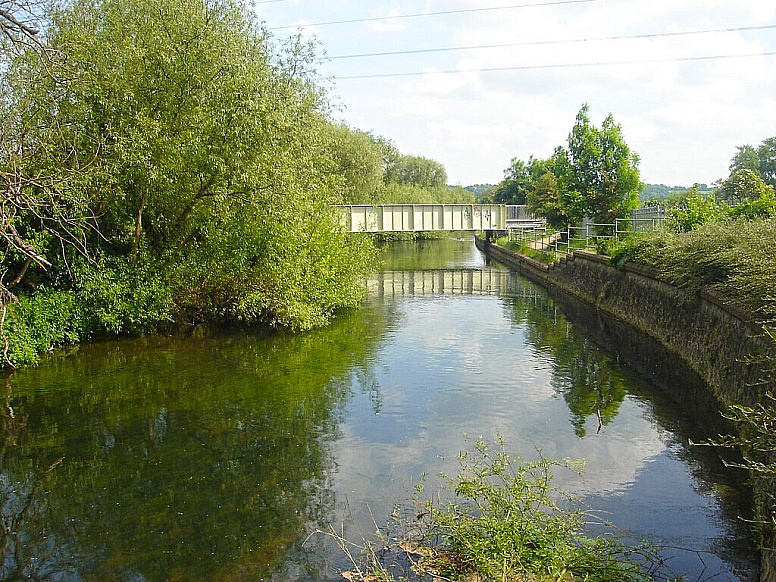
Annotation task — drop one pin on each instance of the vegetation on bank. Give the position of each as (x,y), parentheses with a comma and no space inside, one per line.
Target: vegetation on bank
(143,189)
(732,257)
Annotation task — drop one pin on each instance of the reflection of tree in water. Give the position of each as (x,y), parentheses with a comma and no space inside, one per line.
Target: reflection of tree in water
(167,459)
(586,378)
(588,382)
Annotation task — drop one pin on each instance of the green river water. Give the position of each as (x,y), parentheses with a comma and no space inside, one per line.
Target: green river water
(215,458)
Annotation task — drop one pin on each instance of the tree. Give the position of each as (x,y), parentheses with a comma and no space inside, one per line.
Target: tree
(744,185)
(208,174)
(549,196)
(746,158)
(357,159)
(604,171)
(516,184)
(43,212)
(766,154)
(415,170)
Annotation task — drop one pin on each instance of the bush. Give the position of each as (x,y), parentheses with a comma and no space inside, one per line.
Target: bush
(40,322)
(120,296)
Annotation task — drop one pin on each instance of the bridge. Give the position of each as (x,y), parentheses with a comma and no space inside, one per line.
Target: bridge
(392,284)
(427,217)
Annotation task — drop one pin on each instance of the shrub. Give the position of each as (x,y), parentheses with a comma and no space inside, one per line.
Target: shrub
(40,322)
(120,296)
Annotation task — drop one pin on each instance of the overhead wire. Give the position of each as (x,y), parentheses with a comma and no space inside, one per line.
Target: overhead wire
(523,43)
(439,13)
(549,42)
(557,66)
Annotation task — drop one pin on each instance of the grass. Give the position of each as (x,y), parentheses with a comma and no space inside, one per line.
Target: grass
(733,258)
(546,257)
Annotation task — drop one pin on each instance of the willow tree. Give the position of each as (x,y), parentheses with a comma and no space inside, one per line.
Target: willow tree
(198,145)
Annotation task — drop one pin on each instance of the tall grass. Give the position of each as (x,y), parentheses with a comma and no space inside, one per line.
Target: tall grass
(735,258)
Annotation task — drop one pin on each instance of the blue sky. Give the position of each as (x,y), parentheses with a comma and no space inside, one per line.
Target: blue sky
(683,113)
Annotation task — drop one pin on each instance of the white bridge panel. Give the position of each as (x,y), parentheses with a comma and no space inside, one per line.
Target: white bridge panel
(424,217)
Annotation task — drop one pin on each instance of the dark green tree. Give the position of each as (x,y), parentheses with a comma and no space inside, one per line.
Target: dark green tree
(604,172)
(514,188)
(746,158)
(766,154)
(549,197)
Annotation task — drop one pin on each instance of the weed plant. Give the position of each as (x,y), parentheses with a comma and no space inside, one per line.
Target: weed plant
(501,519)
(546,257)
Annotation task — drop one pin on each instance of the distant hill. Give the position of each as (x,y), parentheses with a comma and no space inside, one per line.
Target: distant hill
(479,189)
(661,191)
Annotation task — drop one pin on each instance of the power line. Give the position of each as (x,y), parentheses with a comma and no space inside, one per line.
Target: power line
(549,42)
(441,13)
(558,66)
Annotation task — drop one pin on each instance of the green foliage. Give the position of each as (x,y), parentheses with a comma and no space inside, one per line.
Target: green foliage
(121,296)
(516,184)
(733,257)
(745,186)
(507,522)
(357,161)
(596,176)
(415,170)
(201,188)
(692,210)
(605,171)
(761,161)
(746,158)
(548,197)
(766,152)
(40,322)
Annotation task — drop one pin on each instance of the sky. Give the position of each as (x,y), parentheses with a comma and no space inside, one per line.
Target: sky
(475,83)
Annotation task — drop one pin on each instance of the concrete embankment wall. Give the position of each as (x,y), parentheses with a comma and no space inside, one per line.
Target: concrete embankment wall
(721,343)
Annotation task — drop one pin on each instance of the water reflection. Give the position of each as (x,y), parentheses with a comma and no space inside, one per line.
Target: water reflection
(168,459)
(214,458)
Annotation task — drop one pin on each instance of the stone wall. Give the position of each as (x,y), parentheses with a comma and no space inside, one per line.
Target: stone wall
(718,341)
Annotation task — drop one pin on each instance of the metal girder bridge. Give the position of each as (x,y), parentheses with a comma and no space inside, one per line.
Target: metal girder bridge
(425,217)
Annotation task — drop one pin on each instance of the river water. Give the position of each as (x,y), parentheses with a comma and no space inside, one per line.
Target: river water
(216,458)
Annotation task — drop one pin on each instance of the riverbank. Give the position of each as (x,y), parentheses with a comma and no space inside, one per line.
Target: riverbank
(722,343)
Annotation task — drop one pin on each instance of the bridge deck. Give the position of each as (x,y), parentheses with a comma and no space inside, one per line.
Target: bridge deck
(424,217)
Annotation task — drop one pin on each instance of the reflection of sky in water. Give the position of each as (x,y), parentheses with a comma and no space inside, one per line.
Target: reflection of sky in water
(458,366)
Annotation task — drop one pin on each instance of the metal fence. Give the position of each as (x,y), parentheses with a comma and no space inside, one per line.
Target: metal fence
(589,235)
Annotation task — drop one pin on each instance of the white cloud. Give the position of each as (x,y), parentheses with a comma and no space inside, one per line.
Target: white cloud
(683,118)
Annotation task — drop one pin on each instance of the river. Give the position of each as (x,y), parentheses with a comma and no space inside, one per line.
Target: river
(218,457)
